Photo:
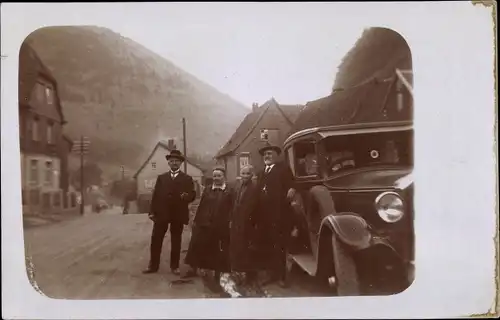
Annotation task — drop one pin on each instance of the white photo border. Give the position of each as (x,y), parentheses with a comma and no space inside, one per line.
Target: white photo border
(455,169)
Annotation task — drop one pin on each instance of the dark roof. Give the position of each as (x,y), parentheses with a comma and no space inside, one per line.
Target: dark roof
(30,68)
(290,111)
(164,144)
(250,122)
(374,101)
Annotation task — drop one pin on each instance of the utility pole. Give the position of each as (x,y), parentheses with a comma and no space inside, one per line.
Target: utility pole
(82,205)
(81,146)
(185,142)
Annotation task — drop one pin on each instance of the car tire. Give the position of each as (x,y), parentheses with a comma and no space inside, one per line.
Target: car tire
(346,276)
(334,257)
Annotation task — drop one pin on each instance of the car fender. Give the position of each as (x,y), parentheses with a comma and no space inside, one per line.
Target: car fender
(350,229)
(334,259)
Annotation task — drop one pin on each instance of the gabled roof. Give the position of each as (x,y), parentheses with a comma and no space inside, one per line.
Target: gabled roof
(373,101)
(164,145)
(251,121)
(30,68)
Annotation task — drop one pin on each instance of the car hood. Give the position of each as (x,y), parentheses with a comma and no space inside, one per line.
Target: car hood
(373,179)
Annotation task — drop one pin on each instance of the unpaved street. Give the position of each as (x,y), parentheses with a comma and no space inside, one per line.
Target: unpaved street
(100,256)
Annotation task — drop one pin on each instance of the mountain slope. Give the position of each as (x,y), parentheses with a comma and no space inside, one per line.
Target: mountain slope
(125,97)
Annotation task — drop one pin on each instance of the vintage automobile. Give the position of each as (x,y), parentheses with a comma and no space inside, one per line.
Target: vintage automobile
(354,204)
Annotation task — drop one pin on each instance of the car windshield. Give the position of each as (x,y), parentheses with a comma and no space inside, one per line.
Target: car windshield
(368,149)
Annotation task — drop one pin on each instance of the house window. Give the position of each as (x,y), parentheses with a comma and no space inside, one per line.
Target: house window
(34,129)
(270,135)
(40,92)
(264,135)
(244,160)
(49,95)
(56,199)
(153,165)
(149,183)
(34,197)
(33,172)
(50,133)
(48,172)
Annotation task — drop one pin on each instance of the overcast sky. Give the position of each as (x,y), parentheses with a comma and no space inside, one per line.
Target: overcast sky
(251,51)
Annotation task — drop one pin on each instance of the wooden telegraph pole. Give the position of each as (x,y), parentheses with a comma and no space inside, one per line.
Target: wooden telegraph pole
(81,146)
(185,142)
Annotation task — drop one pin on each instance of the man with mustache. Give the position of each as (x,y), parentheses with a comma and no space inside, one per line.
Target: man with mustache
(274,217)
(173,192)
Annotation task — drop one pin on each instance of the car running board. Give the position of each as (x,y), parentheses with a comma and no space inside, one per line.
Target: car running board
(306,262)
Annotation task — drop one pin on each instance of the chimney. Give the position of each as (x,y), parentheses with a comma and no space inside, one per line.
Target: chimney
(171,144)
(255,106)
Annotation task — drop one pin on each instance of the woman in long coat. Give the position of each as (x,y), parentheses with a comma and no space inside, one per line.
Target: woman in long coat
(209,244)
(242,246)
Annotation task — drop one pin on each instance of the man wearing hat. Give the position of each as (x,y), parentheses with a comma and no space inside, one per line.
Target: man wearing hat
(173,192)
(274,218)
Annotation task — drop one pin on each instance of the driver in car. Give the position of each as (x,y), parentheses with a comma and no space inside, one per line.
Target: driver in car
(340,160)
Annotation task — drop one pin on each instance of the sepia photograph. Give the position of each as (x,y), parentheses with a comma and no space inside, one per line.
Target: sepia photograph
(219,156)
(119,147)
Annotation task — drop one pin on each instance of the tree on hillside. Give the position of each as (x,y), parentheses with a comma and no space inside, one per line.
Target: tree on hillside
(376,53)
(92,175)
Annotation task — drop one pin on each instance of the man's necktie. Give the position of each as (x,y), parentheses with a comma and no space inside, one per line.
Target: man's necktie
(268,169)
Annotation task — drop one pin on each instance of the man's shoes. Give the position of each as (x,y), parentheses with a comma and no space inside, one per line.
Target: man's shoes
(176,271)
(150,270)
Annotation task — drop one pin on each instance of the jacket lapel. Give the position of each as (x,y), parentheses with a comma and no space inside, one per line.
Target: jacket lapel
(169,176)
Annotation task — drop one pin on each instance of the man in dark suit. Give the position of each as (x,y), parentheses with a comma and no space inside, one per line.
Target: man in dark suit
(173,192)
(274,218)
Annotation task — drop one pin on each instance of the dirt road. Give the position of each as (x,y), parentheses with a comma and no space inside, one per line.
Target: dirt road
(101,256)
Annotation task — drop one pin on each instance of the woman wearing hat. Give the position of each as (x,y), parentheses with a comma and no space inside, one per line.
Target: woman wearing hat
(208,249)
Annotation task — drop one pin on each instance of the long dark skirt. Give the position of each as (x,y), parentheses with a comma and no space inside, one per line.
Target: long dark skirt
(242,252)
(272,247)
(208,249)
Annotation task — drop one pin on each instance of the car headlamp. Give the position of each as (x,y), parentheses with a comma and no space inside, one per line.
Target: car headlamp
(390,207)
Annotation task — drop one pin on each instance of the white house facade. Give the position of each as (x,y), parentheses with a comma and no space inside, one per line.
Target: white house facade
(157,164)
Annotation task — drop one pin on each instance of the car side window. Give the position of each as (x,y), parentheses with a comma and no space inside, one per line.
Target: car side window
(306,162)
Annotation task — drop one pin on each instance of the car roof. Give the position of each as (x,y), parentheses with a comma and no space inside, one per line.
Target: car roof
(349,129)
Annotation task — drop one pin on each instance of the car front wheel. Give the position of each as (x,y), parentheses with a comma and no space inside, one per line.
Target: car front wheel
(337,266)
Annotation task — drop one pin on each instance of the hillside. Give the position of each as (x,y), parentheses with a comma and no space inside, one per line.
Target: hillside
(377,52)
(357,97)
(125,97)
